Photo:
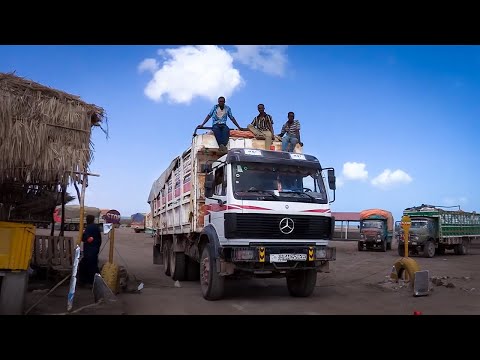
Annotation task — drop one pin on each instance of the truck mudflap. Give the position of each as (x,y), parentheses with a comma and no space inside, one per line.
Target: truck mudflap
(279,257)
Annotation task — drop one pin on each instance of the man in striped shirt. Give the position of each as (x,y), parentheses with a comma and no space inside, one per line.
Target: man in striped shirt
(290,133)
(262,126)
(219,114)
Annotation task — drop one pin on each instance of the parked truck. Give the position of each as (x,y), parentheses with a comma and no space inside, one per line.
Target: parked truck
(72,216)
(376,229)
(249,213)
(434,230)
(138,222)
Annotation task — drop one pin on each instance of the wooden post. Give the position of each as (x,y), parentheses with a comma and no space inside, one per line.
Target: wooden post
(112,239)
(62,223)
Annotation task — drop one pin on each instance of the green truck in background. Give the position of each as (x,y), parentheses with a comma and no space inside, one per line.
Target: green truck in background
(434,230)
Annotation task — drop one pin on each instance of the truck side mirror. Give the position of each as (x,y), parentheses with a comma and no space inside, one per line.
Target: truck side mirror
(331,179)
(209,185)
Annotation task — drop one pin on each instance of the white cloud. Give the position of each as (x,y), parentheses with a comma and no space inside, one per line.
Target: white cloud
(340,182)
(452,201)
(148,65)
(355,171)
(192,71)
(388,178)
(271,59)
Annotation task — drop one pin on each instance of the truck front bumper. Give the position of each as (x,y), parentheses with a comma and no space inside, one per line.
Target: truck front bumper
(279,258)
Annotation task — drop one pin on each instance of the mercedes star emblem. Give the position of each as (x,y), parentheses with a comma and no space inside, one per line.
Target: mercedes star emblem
(286,225)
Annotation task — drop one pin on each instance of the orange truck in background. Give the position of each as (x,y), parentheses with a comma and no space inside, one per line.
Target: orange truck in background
(376,229)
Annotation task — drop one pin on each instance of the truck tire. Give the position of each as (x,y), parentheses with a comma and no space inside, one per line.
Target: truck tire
(212,284)
(71,227)
(429,249)
(461,249)
(177,265)
(360,246)
(193,270)
(440,250)
(166,258)
(384,245)
(301,283)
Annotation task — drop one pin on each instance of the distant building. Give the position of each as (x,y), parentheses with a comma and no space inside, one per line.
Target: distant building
(345,223)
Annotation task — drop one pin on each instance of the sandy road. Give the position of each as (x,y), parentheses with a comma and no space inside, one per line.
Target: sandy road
(356,284)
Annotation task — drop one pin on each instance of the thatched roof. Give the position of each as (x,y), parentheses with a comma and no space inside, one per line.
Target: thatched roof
(45,134)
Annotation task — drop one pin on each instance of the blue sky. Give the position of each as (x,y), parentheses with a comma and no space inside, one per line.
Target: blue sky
(400,124)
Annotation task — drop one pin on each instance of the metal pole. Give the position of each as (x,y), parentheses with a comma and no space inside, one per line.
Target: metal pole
(406,236)
(82,208)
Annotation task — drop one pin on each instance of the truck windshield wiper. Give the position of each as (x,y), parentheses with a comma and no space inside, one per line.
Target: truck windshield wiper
(263,192)
(299,193)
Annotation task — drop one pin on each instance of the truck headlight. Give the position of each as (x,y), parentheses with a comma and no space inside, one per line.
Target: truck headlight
(243,254)
(320,253)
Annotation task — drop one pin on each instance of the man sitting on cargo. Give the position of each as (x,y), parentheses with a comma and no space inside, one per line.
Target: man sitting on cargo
(262,126)
(219,113)
(290,133)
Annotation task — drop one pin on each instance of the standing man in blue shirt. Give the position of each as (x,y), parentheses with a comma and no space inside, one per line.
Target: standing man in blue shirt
(219,114)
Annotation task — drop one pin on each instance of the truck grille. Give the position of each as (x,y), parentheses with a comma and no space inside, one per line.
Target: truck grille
(267,226)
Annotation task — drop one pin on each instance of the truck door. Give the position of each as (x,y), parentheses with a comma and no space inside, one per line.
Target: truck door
(217,203)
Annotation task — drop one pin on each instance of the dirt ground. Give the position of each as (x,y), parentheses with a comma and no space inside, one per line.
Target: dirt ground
(358,283)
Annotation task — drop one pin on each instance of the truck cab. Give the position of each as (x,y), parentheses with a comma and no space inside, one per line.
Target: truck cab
(376,229)
(373,233)
(422,236)
(270,212)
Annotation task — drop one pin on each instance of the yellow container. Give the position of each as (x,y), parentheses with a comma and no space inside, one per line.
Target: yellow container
(16,245)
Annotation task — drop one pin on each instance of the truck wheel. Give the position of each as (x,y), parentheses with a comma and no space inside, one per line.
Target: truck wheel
(384,245)
(461,249)
(71,227)
(360,246)
(166,258)
(301,283)
(429,249)
(440,250)
(212,284)
(193,270)
(177,265)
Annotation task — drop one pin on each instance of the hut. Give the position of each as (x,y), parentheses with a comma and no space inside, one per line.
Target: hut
(45,145)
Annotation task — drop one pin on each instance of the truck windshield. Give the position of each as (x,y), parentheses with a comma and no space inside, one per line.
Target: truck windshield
(272,182)
(419,224)
(372,224)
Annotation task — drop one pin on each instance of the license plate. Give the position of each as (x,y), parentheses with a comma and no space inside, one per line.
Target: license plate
(287,257)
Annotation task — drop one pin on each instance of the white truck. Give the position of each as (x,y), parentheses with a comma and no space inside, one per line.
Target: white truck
(250,212)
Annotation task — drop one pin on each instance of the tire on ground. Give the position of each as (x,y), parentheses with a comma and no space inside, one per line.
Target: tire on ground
(211,283)
(301,283)
(177,265)
(193,270)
